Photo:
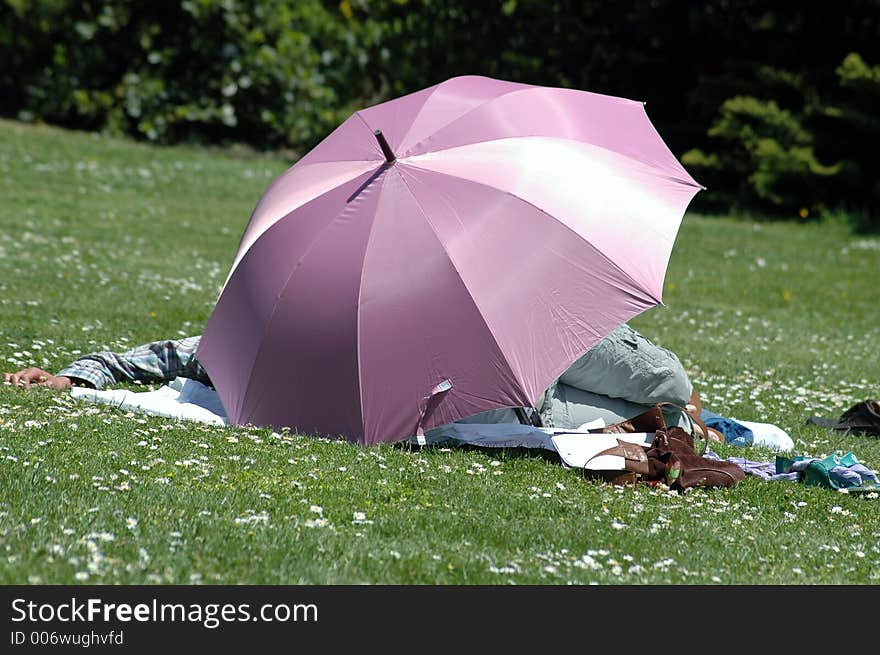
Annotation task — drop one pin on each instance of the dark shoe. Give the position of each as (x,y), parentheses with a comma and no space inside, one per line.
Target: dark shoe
(861,418)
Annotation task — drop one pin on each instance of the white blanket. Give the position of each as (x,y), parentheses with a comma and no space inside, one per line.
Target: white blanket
(191,400)
(181,398)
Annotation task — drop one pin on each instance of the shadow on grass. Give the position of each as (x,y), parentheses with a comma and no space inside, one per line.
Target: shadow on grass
(496,453)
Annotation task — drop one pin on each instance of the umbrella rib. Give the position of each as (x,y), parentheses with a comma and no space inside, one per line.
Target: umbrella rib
(635,283)
(253,238)
(530,88)
(367,125)
(422,109)
(520,382)
(299,165)
(456,119)
(360,368)
(333,161)
(524,89)
(293,269)
(659,171)
(419,112)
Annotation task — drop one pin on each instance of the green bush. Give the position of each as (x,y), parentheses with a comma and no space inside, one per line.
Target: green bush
(806,161)
(272,72)
(766,158)
(850,127)
(767,102)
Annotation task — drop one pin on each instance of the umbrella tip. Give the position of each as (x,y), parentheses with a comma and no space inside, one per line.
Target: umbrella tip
(386,149)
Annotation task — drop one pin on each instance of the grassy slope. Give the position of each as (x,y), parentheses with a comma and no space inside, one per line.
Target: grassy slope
(105,244)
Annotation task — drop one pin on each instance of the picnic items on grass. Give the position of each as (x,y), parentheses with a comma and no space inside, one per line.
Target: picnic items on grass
(648,421)
(738,432)
(187,399)
(442,254)
(682,468)
(666,456)
(658,454)
(833,471)
(734,432)
(652,420)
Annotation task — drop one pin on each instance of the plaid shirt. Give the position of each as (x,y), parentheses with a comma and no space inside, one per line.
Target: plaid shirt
(159,361)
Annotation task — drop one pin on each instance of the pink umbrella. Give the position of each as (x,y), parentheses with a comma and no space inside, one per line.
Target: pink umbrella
(441,254)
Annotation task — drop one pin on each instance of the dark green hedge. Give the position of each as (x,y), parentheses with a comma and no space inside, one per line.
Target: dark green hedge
(272,72)
(772,105)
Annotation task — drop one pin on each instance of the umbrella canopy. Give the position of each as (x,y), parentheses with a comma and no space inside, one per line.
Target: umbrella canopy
(441,254)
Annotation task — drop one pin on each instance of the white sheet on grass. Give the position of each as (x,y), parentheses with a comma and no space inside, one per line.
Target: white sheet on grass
(191,400)
(181,398)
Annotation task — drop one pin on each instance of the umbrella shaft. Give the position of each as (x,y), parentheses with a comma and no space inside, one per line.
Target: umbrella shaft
(386,149)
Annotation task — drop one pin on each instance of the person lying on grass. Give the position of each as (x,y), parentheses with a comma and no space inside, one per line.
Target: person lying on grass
(620,377)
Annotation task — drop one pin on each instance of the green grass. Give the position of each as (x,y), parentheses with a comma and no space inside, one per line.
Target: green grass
(105,244)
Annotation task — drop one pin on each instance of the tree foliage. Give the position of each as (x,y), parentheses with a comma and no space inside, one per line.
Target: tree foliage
(773,106)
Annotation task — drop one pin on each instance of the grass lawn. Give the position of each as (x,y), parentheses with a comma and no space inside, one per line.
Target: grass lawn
(105,244)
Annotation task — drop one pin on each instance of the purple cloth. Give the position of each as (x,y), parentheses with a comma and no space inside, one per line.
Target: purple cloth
(764,470)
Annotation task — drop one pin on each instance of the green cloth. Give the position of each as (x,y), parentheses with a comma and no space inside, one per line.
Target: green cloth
(818,471)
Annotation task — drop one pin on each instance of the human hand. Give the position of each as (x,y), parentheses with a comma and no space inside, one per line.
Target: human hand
(28,377)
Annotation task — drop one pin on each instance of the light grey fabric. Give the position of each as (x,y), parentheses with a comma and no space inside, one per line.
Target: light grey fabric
(620,377)
(504,415)
(626,365)
(572,407)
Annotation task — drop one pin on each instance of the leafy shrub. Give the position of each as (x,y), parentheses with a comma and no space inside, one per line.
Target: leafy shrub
(766,157)
(806,161)
(767,102)
(273,72)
